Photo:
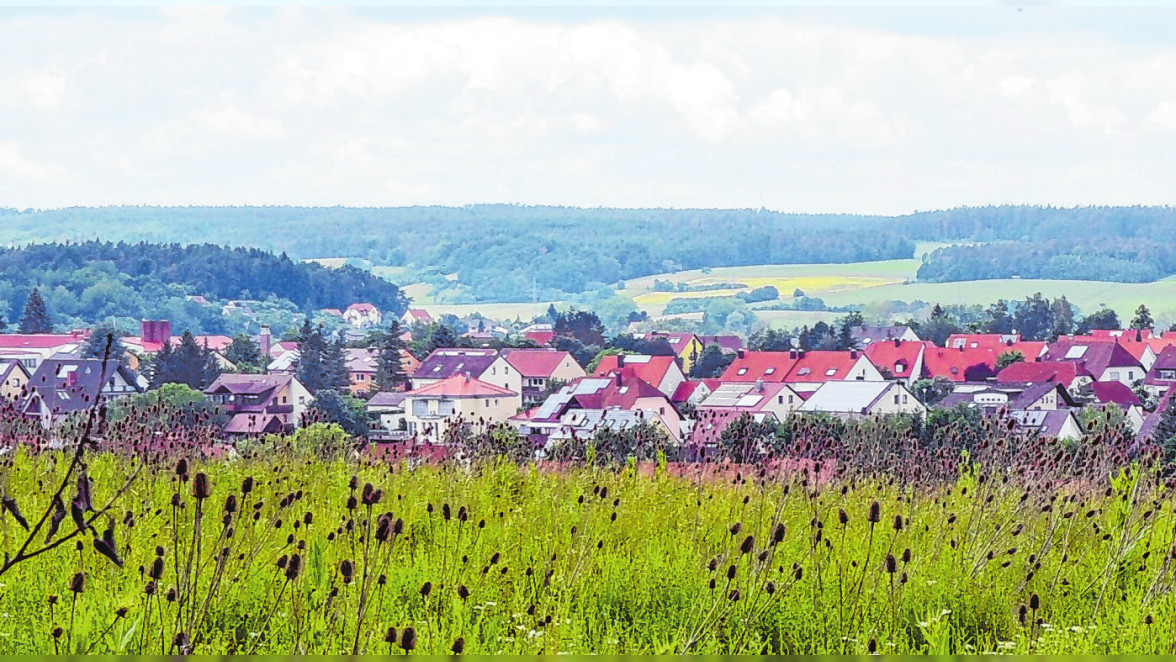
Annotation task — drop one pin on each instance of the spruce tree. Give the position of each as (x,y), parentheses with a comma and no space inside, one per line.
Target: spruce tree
(312,348)
(1143,319)
(95,345)
(36,316)
(335,366)
(389,369)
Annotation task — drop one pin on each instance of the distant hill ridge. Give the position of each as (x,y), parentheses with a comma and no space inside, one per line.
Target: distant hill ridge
(514,252)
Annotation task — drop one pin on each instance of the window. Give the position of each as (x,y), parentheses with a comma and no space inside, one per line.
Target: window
(487,402)
(904,398)
(830,372)
(742,371)
(283,399)
(895,398)
(1114,374)
(494,371)
(779,399)
(769,371)
(955,370)
(899,368)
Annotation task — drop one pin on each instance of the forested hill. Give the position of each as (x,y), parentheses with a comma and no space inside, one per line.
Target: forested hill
(501,252)
(511,252)
(1122,244)
(91,281)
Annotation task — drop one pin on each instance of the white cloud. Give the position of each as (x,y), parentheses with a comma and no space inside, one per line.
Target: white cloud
(797,110)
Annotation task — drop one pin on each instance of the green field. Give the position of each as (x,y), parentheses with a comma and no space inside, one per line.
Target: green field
(869,284)
(521,559)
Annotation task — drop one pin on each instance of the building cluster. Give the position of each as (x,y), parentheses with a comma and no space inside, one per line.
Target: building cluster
(1038,387)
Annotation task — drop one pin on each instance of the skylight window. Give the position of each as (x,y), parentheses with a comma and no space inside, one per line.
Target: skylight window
(769,371)
(1076,352)
(742,371)
(830,372)
(804,371)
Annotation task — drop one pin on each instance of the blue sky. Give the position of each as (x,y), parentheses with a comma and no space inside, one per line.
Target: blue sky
(846,109)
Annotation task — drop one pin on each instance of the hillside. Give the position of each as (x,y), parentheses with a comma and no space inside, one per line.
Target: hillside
(86,282)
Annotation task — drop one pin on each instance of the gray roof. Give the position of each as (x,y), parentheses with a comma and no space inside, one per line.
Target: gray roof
(446,362)
(850,397)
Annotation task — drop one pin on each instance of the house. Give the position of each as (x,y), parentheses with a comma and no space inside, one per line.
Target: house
(388,408)
(979,340)
(198,299)
(1162,374)
(1058,423)
(285,364)
(540,334)
(663,372)
(1107,360)
(729,344)
(901,360)
(433,409)
(1071,375)
(64,386)
(33,348)
(154,334)
(854,399)
(962,364)
(1114,393)
(864,336)
(693,392)
(416,316)
(576,409)
(331,312)
(687,347)
(991,398)
(14,380)
(801,367)
(361,369)
(531,372)
(760,399)
(446,362)
(362,315)
(259,404)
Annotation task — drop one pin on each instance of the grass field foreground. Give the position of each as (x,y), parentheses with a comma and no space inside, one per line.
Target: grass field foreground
(500,558)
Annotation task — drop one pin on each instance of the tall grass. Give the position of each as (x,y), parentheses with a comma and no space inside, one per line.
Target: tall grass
(293,553)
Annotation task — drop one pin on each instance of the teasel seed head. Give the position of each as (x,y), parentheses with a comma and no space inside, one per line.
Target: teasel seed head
(458,646)
(201,489)
(875,515)
(77,583)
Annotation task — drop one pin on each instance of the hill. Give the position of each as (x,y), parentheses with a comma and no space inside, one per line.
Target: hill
(83,283)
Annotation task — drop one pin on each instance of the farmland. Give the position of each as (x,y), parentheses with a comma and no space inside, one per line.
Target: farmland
(590,559)
(865,284)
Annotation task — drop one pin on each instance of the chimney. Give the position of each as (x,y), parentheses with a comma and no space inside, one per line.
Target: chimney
(265,340)
(853,353)
(792,353)
(800,354)
(759,385)
(897,342)
(620,361)
(619,379)
(740,354)
(155,330)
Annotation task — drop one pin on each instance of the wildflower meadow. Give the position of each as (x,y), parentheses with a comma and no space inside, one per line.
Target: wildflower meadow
(301,545)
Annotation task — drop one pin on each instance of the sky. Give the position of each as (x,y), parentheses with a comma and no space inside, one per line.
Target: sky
(839,109)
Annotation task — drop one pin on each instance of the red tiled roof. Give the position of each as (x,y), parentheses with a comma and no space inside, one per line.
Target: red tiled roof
(540,337)
(38,340)
(535,362)
(361,307)
(889,354)
(652,369)
(1061,372)
(768,366)
(684,391)
(816,366)
(959,365)
(460,386)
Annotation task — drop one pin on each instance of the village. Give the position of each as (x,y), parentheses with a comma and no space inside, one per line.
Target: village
(690,387)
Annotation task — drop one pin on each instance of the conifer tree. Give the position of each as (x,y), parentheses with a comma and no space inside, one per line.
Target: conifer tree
(389,368)
(36,316)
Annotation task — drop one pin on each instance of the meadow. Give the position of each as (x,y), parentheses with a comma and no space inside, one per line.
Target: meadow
(298,546)
(866,284)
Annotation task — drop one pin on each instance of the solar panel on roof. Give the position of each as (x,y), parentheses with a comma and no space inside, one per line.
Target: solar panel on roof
(749,401)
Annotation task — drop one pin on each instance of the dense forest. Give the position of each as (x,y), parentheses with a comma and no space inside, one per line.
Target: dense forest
(87,282)
(1122,244)
(514,253)
(499,252)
